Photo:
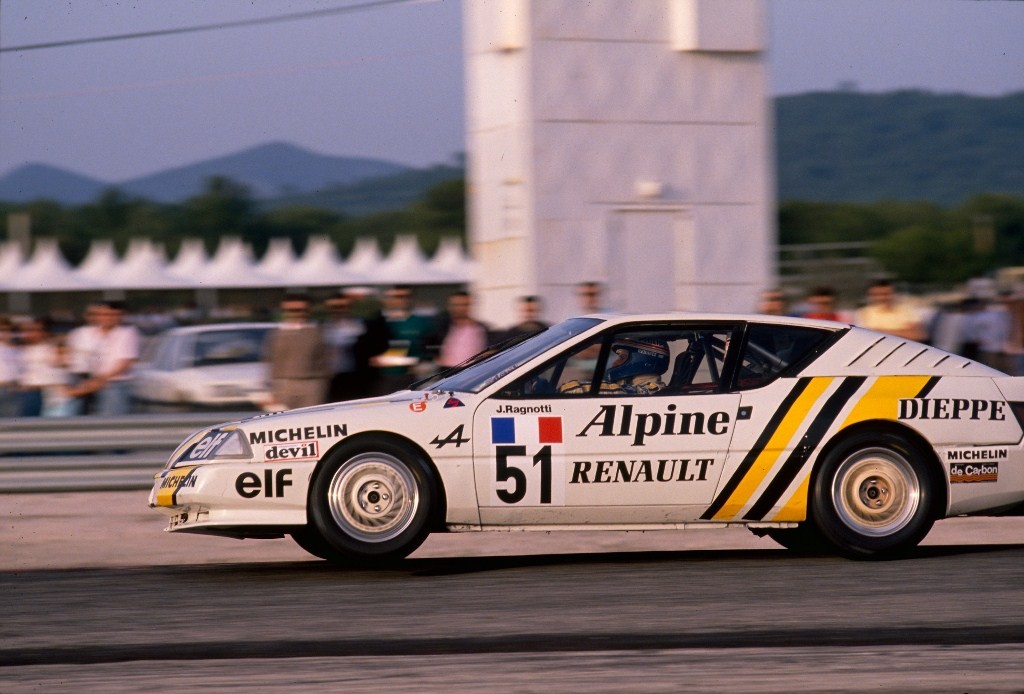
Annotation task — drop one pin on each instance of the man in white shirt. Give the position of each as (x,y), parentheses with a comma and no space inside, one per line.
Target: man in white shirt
(116,351)
(10,367)
(82,343)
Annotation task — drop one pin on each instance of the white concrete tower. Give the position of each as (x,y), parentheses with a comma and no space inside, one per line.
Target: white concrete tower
(621,141)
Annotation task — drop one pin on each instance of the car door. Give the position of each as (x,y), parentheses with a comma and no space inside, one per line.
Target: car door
(630,427)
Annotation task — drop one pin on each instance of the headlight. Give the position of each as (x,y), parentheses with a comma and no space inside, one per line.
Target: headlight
(216,443)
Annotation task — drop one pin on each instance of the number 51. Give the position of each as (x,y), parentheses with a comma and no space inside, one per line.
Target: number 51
(506,472)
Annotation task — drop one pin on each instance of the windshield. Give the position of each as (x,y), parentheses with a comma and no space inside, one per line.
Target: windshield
(478,376)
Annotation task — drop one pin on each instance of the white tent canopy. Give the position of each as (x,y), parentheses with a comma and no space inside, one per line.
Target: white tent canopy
(406,264)
(320,266)
(144,267)
(99,262)
(233,266)
(279,258)
(46,271)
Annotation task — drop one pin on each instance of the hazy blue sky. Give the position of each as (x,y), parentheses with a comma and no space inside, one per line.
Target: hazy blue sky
(387,82)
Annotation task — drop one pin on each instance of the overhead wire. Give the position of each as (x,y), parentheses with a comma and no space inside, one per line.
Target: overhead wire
(295,16)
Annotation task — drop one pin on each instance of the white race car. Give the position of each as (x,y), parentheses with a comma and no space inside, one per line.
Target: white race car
(817,434)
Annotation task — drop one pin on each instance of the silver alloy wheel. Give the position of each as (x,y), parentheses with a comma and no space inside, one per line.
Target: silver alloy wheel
(373,497)
(876,492)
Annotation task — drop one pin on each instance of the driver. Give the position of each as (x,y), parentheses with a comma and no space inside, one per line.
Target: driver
(635,368)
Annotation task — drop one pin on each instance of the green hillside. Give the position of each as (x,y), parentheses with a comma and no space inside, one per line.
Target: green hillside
(372,195)
(907,145)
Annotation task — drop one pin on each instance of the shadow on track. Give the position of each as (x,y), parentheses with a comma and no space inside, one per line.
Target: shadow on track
(452,566)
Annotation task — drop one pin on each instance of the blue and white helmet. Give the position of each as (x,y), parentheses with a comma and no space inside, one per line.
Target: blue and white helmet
(635,356)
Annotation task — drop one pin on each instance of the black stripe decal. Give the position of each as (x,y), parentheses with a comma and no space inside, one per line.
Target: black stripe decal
(759,446)
(808,444)
(178,487)
(932,382)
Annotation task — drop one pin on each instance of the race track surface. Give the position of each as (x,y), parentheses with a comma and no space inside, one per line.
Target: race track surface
(134,609)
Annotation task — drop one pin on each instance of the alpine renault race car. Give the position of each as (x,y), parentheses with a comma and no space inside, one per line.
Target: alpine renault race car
(817,434)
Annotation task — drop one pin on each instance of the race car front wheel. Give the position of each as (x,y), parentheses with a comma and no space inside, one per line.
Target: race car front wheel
(804,538)
(309,539)
(371,501)
(875,495)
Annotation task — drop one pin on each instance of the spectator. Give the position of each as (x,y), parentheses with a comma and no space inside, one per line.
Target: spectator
(116,349)
(1014,304)
(772,302)
(464,336)
(10,367)
(353,342)
(59,397)
(39,367)
(945,328)
(885,314)
(821,303)
(529,319)
(410,337)
(986,333)
(82,344)
(298,362)
(589,295)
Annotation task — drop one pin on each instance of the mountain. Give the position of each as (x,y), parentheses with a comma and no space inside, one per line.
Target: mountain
(35,181)
(372,194)
(906,145)
(830,147)
(269,170)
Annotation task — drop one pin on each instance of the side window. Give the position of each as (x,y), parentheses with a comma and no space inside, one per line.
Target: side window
(570,374)
(771,349)
(161,353)
(184,357)
(698,358)
(668,360)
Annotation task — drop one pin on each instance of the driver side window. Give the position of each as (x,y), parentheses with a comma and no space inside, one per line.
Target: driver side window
(571,375)
(666,360)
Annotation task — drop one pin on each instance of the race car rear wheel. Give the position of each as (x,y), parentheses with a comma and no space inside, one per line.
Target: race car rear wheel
(372,501)
(875,495)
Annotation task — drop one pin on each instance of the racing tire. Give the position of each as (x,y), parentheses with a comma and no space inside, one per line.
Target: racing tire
(875,495)
(313,542)
(805,538)
(371,501)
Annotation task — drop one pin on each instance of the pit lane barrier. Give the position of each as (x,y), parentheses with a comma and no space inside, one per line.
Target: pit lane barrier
(91,454)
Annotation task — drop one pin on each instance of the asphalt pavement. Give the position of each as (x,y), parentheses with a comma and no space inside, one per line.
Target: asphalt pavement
(117,529)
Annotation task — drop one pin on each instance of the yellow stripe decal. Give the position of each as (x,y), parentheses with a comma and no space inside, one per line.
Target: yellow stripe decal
(796,508)
(171,484)
(776,445)
(882,400)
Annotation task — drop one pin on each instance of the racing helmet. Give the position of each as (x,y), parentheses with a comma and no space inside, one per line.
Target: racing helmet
(632,356)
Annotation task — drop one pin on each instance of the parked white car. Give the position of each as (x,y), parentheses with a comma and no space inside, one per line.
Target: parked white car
(215,365)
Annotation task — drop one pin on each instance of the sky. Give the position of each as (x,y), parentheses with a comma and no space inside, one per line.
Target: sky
(385,80)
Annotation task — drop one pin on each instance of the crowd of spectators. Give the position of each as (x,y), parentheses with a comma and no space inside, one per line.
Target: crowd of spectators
(986,325)
(355,345)
(82,371)
(351,345)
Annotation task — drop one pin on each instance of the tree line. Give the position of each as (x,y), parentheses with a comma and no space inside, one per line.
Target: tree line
(920,243)
(226,208)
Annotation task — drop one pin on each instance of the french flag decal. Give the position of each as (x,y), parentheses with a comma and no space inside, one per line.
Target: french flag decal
(549,429)
(503,429)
